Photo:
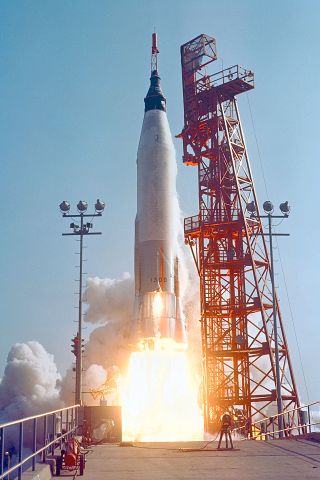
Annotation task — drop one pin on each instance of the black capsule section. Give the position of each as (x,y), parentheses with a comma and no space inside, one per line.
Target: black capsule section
(155,99)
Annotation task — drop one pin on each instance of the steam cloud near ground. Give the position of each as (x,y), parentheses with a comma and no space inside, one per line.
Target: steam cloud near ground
(30,383)
(110,306)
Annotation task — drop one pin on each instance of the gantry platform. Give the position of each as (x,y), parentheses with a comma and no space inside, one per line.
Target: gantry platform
(285,459)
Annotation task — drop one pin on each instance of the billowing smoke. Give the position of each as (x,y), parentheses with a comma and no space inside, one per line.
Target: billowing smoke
(93,376)
(189,289)
(109,300)
(110,306)
(30,384)
(110,303)
(190,305)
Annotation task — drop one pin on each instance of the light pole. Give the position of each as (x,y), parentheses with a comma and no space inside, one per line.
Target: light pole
(80,230)
(285,210)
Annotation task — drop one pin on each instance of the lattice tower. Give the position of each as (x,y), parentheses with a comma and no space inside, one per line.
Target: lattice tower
(230,253)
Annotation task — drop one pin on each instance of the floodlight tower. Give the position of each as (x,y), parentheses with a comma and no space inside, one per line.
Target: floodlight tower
(229,248)
(80,230)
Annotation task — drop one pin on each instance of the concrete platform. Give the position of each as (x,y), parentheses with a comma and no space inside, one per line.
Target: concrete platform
(278,459)
(42,472)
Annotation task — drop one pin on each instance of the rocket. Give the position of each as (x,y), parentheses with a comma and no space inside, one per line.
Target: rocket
(157,298)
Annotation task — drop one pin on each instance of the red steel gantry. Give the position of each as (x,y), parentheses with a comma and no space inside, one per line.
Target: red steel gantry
(229,251)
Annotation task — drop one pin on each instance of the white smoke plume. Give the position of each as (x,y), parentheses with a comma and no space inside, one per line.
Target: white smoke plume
(93,376)
(110,306)
(109,299)
(191,306)
(189,290)
(30,384)
(110,303)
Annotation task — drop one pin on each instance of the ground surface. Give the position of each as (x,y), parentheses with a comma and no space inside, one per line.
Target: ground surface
(278,459)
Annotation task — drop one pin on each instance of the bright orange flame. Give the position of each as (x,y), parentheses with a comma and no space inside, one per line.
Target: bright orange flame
(157,304)
(160,395)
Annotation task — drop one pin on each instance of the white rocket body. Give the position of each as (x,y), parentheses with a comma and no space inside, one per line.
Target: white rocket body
(157,311)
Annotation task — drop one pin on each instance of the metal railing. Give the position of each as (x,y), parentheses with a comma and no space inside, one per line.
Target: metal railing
(297,421)
(236,72)
(40,433)
(208,217)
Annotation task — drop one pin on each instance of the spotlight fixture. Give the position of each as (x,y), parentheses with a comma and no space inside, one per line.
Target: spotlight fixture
(82,206)
(64,206)
(99,206)
(251,207)
(285,208)
(268,207)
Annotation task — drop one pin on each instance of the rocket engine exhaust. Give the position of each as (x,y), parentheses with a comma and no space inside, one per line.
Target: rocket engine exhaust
(157,301)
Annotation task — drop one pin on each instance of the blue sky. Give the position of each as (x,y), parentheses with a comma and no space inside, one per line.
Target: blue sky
(73,78)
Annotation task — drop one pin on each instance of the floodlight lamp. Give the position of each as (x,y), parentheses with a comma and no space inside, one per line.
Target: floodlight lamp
(268,207)
(64,206)
(99,206)
(285,208)
(251,207)
(82,206)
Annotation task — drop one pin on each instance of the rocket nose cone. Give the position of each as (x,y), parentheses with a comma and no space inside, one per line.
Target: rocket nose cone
(155,99)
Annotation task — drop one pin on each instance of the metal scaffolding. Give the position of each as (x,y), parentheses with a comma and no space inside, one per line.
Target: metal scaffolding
(229,248)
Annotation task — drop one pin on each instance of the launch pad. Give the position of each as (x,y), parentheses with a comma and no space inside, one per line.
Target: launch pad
(249,460)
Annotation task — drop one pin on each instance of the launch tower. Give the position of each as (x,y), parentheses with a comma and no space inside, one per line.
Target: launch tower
(230,252)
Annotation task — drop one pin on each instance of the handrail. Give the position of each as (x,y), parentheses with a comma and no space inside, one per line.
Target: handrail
(297,423)
(40,415)
(218,79)
(68,417)
(40,450)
